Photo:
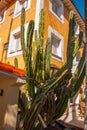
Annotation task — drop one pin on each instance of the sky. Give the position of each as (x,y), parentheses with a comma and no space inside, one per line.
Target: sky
(80,5)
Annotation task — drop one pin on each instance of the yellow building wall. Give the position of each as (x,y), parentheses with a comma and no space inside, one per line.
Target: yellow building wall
(62,28)
(50,20)
(4,32)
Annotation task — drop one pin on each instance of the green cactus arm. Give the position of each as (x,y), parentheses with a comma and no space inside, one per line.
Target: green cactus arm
(34,52)
(56,76)
(23,31)
(30,31)
(41,27)
(28,63)
(27,53)
(39,64)
(50,106)
(28,57)
(47,60)
(39,69)
(32,114)
(74,89)
(63,105)
(78,77)
(77,45)
(81,62)
(70,45)
(56,85)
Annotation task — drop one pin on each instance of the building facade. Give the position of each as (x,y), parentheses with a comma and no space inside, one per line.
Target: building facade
(56,21)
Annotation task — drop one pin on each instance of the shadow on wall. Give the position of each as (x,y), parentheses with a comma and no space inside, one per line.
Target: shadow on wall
(11,116)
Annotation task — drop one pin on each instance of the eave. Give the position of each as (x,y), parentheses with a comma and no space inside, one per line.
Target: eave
(70,5)
(5,3)
(11,71)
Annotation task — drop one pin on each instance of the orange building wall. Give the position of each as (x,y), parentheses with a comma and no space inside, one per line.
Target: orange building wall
(4,31)
(50,20)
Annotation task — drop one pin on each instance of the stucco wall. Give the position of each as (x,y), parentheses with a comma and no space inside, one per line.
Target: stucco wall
(50,20)
(5,27)
(8,102)
(62,28)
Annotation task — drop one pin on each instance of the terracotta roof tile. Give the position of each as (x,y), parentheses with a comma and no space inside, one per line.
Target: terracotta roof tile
(11,69)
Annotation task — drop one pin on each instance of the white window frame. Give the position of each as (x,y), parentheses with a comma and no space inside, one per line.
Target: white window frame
(39,6)
(3,11)
(52,31)
(77,28)
(16,6)
(19,52)
(62,15)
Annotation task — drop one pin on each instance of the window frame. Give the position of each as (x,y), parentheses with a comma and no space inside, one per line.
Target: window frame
(16,40)
(16,7)
(76,28)
(51,10)
(17,52)
(57,39)
(3,11)
(51,32)
(5,47)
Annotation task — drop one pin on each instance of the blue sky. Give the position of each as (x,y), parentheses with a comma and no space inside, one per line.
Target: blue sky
(80,6)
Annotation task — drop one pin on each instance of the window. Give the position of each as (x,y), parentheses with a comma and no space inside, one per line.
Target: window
(16,46)
(6,46)
(15,43)
(56,7)
(20,4)
(56,47)
(2,16)
(57,44)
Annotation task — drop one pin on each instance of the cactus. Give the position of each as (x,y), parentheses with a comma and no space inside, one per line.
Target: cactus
(41,88)
(39,61)
(16,62)
(27,52)
(47,58)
